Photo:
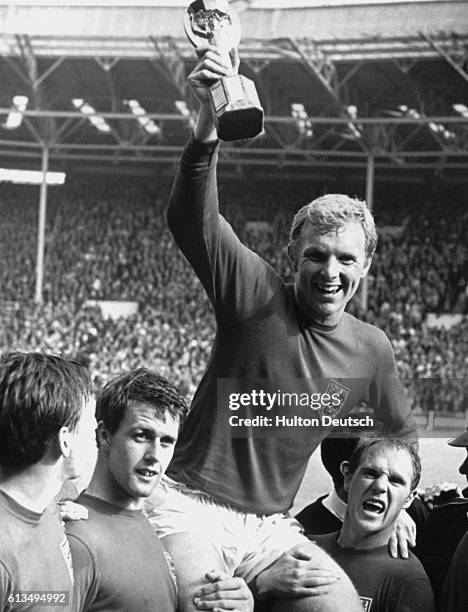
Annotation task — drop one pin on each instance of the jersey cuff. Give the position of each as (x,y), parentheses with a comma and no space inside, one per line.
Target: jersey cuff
(200,153)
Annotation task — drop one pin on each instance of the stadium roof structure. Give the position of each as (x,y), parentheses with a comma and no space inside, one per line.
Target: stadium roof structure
(385,82)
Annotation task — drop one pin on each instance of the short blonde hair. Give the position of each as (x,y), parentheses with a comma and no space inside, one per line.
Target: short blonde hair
(330,213)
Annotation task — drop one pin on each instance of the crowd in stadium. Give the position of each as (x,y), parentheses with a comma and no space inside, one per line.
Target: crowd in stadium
(166,377)
(110,242)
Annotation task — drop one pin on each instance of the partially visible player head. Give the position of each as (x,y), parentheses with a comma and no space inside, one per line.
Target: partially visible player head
(139,415)
(462,442)
(46,412)
(381,480)
(333,451)
(331,244)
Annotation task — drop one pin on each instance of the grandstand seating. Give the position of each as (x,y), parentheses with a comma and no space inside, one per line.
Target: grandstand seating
(110,241)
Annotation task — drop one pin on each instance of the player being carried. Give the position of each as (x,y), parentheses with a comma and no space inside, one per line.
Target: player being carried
(227,497)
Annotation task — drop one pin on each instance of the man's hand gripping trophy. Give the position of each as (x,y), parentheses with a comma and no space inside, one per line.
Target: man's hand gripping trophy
(214,30)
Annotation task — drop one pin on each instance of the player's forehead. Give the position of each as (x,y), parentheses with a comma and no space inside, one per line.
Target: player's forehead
(390,460)
(149,416)
(347,237)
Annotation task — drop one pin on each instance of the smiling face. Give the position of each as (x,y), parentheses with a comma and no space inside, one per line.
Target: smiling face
(137,454)
(378,490)
(328,270)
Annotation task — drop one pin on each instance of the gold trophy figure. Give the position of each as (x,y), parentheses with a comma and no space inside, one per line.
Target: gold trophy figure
(235,101)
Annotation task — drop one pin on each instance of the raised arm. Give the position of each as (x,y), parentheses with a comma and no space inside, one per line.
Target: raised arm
(230,273)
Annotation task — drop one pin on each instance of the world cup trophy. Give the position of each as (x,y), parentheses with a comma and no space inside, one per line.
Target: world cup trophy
(235,101)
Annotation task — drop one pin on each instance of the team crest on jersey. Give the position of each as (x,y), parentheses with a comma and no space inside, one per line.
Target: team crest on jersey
(334,389)
(366,603)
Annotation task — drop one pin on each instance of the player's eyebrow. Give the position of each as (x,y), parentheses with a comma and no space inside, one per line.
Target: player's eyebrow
(347,255)
(314,249)
(398,477)
(143,429)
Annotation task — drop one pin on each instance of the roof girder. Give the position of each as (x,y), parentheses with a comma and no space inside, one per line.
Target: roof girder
(169,58)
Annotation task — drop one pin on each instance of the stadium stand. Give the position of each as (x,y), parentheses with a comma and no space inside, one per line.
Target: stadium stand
(110,241)
(382,86)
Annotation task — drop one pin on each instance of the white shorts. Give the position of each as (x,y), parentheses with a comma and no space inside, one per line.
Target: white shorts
(247,543)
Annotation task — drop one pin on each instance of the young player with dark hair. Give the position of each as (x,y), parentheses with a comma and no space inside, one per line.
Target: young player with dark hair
(118,560)
(46,435)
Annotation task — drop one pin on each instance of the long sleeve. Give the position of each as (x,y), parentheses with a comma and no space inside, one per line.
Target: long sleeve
(235,278)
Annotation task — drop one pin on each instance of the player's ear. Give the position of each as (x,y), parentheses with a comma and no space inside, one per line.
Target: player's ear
(103,436)
(292,257)
(366,267)
(409,499)
(64,437)
(344,469)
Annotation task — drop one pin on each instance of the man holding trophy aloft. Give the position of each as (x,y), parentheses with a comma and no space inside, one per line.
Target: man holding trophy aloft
(226,498)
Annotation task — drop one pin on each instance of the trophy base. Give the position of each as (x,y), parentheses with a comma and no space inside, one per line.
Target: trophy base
(240,123)
(238,112)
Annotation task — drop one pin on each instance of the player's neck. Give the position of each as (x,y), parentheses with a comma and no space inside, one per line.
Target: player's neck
(34,487)
(349,537)
(104,486)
